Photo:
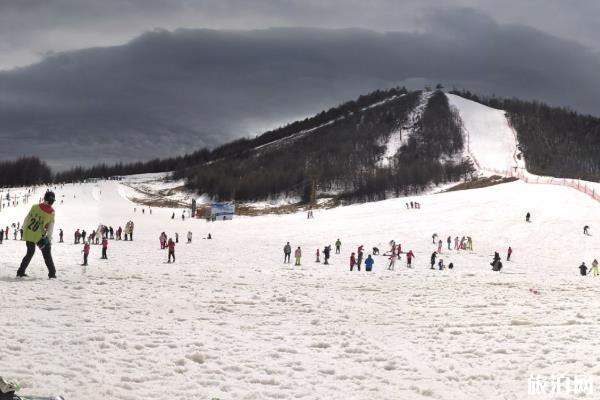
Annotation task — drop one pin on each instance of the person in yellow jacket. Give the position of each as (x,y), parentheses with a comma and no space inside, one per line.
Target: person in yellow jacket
(37,230)
(595,268)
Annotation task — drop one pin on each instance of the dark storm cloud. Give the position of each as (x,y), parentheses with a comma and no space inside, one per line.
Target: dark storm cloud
(168,92)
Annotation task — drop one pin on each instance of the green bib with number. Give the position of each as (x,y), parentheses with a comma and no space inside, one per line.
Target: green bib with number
(36,223)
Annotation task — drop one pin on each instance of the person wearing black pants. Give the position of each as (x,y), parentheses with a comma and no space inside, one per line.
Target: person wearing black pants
(46,252)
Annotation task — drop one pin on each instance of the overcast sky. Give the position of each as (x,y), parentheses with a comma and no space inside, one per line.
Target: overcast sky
(174,90)
(31,28)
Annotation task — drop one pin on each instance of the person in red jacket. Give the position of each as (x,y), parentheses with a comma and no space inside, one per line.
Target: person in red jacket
(86,252)
(409,256)
(353,262)
(104,248)
(171,246)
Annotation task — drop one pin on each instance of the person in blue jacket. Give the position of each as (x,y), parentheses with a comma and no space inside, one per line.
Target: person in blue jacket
(369,263)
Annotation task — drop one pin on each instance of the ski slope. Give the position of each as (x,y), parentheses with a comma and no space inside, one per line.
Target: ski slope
(228,320)
(491,142)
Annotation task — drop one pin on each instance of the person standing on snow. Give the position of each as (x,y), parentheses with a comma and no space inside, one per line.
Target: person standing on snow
(433,237)
(528,217)
(338,246)
(439,246)
(176,237)
(360,256)
(327,253)
(594,268)
(171,246)
(318,256)
(352,262)
(298,255)
(369,263)
(469,243)
(104,248)
(586,230)
(60,236)
(86,252)
(449,240)
(392,264)
(189,237)
(433,256)
(409,256)
(583,269)
(456,244)
(39,226)
(287,251)
(508,253)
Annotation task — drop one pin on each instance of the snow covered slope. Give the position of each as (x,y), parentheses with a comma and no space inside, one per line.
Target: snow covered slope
(491,142)
(228,320)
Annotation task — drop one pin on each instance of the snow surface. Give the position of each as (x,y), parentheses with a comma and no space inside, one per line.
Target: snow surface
(228,320)
(491,142)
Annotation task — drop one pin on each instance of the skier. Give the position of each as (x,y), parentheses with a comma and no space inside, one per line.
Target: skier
(189,237)
(171,246)
(86,252)
(433,256)
(353,262)
(287,251)
(594,268)
(369,263)
(409,256)
(449,240)
(508,253)
(338,246)
(586,230)
(583,269)
(298,255)
(104,248)
(528,217)
(39,226)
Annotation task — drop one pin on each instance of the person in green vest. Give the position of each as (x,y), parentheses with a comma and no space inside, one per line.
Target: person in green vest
(37,230)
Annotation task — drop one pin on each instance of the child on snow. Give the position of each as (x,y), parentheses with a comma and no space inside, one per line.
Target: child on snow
(353,262)
(409,256)
(298,255)
(369,263)
(594,268)
(104,248)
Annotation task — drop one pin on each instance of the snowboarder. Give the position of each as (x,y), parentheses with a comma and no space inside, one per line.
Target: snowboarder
(369,263)
(528,217)
(298,255)
(287,251)
(338,246)
(433,256)
(508,253)
(39,226)
(104,248)
(409,256)
(171,246)
(583,269)
(86,252)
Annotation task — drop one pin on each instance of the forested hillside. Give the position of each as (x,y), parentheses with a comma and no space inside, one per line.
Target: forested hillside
(339,151)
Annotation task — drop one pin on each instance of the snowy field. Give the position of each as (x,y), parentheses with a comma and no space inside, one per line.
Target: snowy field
(228,320)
